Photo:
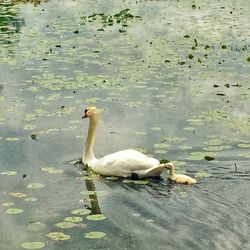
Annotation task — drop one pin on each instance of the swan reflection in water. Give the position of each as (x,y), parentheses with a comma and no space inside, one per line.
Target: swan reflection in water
(95,208)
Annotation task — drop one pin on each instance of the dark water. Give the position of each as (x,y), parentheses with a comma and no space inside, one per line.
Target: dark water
(173,83)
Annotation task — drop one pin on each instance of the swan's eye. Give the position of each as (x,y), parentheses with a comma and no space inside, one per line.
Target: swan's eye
(85,111)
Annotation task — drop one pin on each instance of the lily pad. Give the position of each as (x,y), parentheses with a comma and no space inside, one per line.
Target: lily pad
(14,211)
(7,204)
(112,178)
(58,236)
(202,175)
(18,194)
(141,182)
(179,163)
(160,151)
(128,181)
(52,170)
(189,129)
(156,128)
(8,173)
(74,219)
(33,245)
(65,224)
(30,199)
(185,147)
(246,155)
(197,156)
(12,139)
(95,235)
(81,211)
(244,145)
(161,145)
(96,217)
(216,148)
(35,185)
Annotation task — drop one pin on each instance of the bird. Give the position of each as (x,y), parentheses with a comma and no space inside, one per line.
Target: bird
(124,163)
(179,178)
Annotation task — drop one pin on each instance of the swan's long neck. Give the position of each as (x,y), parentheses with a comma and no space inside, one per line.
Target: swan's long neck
(88,153)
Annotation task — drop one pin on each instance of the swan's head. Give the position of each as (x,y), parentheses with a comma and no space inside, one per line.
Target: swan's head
(89,111)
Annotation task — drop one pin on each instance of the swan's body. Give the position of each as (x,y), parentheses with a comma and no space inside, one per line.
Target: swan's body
(123,163)
(179,178)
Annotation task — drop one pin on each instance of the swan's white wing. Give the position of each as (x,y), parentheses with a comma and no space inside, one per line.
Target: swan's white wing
(123,163)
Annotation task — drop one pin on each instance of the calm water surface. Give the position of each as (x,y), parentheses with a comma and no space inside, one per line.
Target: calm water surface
(172,80)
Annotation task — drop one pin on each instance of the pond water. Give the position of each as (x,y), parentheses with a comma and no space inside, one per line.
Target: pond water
(172,80)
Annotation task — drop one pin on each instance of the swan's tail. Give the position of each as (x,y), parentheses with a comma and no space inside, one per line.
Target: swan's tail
(151,172)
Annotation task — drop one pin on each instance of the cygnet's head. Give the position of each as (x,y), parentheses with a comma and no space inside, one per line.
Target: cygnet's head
(89,111)
(169,165)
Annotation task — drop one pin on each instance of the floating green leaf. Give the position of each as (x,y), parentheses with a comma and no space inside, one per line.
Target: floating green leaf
(35,185)
(141,182)
(18,194)
(246,155)
(81,211)
(30,199)
(185,147)
(179,163)
(65,224)
(160,151)
(189,129)
(12,139)
(74,219)
(197,156)
(14,211)
(7,204)
(161,145)
(96,217)
(244,145)
(52,170)
(33,245)
(58,236)
(128,181)
(8,173)
(202,175)
(156,128)
(112,178)
(94,235)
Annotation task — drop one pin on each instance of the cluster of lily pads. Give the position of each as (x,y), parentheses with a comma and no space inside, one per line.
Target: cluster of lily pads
(123,17)
(72,221)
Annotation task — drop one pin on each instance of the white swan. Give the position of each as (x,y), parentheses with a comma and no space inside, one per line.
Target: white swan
(125,163)
(179,178)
